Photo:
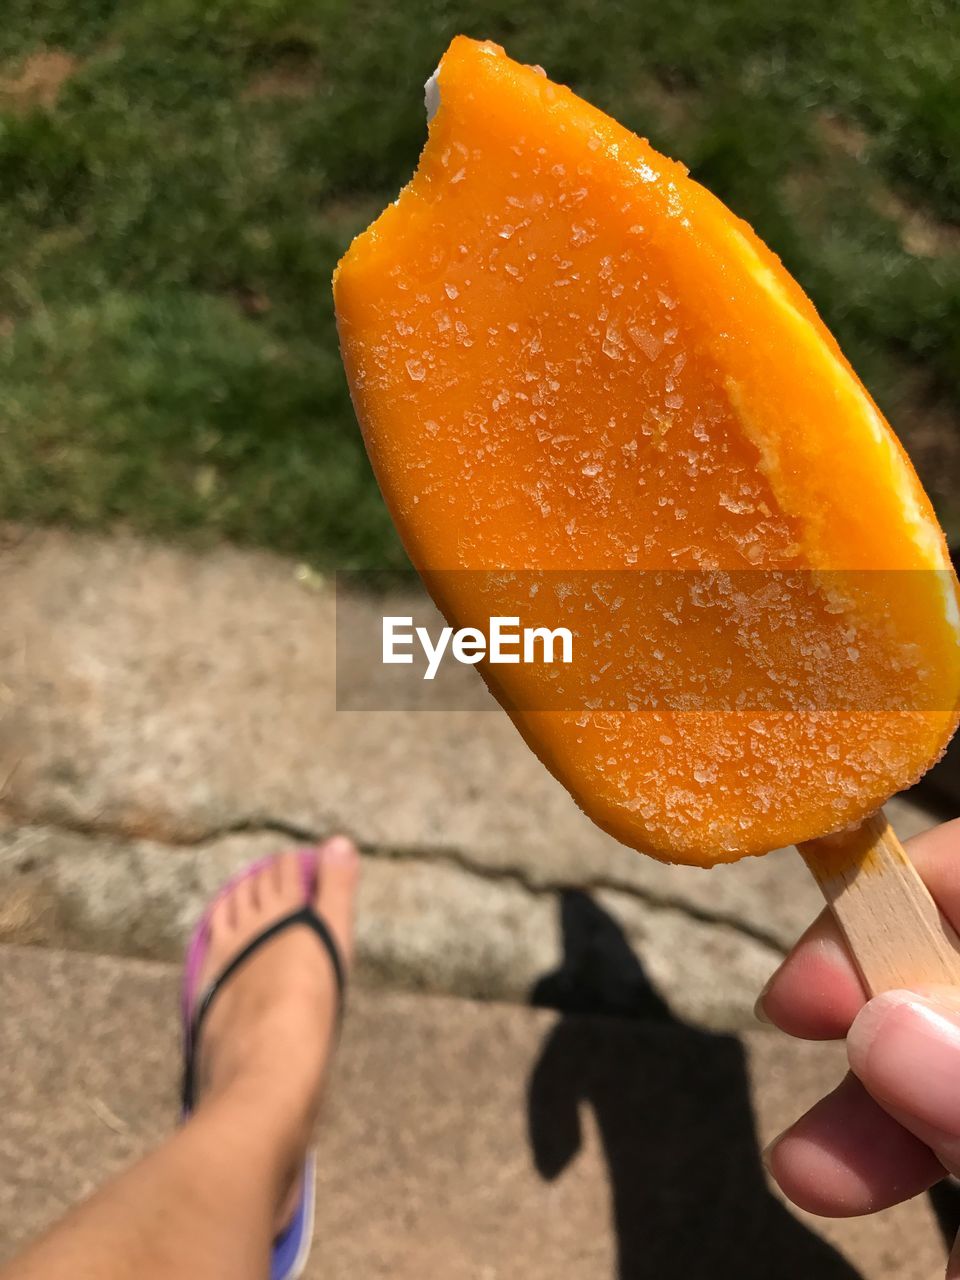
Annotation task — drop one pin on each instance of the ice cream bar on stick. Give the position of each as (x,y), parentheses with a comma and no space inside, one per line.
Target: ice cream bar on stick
(593,398)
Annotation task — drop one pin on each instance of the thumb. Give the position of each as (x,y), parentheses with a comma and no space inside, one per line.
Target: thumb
(905,1049)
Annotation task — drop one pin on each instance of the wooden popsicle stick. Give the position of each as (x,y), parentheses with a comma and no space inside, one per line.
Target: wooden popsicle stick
(893,927)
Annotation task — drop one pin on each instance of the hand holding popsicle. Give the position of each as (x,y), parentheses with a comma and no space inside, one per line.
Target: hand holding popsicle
(889,1131)
(569,359)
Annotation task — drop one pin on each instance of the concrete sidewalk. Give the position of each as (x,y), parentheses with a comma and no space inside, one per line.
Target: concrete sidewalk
(464,1141)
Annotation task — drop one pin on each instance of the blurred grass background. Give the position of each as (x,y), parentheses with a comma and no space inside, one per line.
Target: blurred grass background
(177,181)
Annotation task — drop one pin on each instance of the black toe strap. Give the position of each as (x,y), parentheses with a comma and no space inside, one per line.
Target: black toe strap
(303,915)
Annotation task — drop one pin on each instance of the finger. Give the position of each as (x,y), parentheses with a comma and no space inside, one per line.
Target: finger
(934,854)
(848,1156)
(816,992)
(905,1049)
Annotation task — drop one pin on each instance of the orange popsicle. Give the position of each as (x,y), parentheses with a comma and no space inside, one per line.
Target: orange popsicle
(572,363)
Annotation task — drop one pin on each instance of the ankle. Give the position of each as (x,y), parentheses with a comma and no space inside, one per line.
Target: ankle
(261,1123)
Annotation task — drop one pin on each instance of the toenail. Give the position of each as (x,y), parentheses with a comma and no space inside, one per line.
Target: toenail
(339,849)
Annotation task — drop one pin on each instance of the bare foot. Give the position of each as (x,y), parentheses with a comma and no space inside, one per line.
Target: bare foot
(270,1028)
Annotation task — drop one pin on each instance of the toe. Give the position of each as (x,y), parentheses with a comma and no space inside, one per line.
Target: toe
(286,883)
(247,900)
(338,870)
(222,921)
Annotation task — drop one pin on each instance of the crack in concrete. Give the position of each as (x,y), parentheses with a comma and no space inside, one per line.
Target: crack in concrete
(439,854)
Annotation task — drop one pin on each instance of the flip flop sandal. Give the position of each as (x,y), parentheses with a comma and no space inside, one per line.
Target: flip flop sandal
(292,1247)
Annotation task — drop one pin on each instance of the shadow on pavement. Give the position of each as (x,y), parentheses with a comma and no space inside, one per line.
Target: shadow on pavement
(672,1105)
(945,1202)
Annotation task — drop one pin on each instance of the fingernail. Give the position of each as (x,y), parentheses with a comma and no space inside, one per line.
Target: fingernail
(766,1155)
(339,849)
(906,1050)
(758,1010)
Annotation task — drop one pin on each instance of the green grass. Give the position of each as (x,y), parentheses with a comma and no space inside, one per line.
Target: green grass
(169,226)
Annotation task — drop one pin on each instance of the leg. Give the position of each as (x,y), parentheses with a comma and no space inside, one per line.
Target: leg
(211,1199)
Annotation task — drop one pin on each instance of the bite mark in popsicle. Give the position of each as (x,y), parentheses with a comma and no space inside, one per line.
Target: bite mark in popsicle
(566,356)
